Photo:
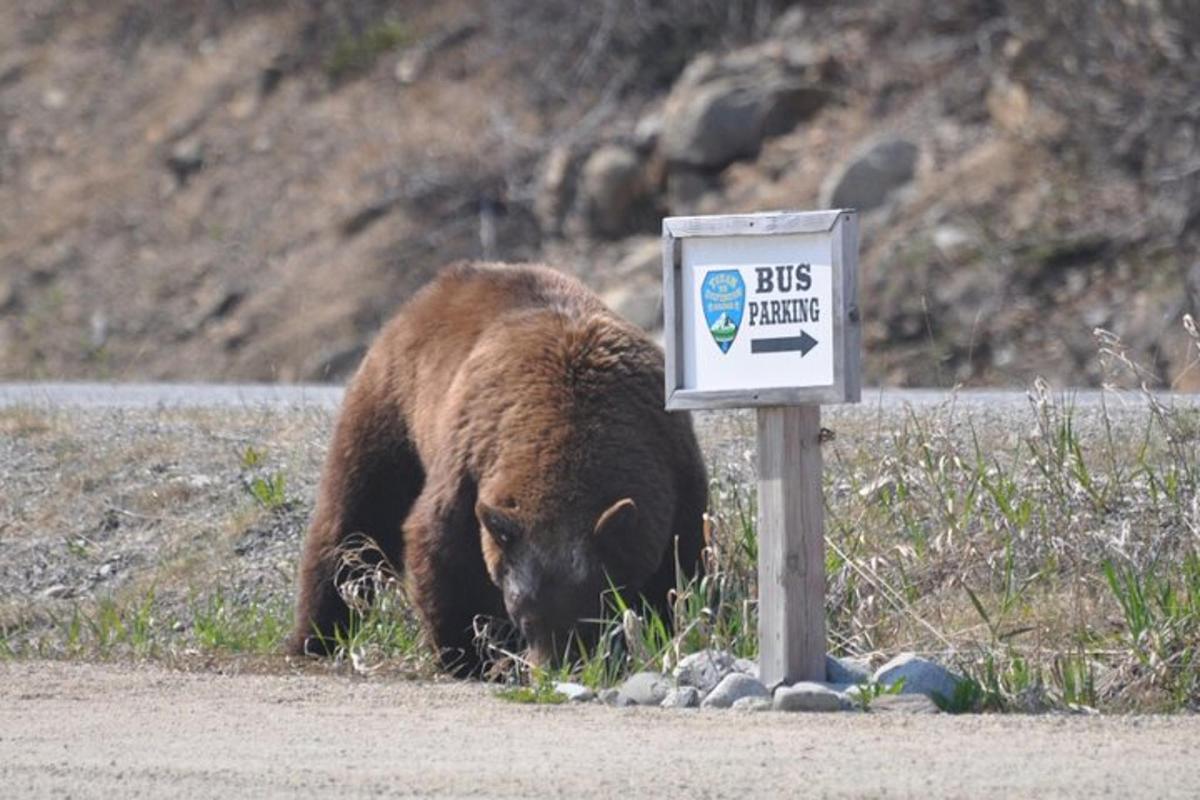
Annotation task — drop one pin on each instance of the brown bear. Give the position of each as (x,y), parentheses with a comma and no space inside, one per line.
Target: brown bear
(504,443)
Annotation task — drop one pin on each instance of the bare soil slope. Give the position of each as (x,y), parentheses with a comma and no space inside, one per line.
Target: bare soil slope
(244,189)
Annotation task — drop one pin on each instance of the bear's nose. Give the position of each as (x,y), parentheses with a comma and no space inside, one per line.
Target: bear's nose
(530,626)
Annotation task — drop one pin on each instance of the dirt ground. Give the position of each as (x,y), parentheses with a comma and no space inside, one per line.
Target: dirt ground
(85,730)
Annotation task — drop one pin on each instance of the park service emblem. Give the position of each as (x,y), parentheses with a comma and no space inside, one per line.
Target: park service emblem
(723,297)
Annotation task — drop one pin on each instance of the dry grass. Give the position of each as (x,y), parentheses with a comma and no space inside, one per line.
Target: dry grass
(1052,553)
(23,421)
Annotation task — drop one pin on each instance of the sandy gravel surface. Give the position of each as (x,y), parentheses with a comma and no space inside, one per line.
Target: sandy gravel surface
(118,731)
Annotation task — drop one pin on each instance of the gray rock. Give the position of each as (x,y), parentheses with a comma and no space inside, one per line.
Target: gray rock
(807,696)
(613,194)
(847,670)
(613,697)
(746,667)
(185,159)
(953,243)
(58,591)
(878,490)
(849,694)
(790,23)
(752,704)
(646,688)
(8,293)
(555,190)
(682,697)
(734,687)
(199,481)
(687,190)
(871,176)
(704,670)
(904,704)
(637,299)
(576,693)
(647,131)
(721,109)
(642,258)
(54,98)
(921,676)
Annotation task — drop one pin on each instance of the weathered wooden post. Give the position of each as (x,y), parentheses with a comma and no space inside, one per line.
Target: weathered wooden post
(761,310)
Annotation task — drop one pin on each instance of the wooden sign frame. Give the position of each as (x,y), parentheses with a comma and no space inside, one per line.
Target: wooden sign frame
(791,511)
(842,225)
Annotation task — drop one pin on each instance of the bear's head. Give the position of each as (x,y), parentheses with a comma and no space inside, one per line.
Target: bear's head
(553,571)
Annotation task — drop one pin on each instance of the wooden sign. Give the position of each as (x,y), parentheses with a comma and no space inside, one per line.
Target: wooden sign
(762,310)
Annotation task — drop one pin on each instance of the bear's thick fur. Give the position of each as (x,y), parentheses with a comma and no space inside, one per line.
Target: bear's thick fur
(504,443)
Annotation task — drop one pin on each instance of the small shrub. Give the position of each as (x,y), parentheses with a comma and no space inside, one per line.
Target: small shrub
(870,691)
(255,627)
(270,492)
(355,55)
(540,691)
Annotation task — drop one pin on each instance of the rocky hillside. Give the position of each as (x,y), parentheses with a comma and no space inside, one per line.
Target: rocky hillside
(244,189)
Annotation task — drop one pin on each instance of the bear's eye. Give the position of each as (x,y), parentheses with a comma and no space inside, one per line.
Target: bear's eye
(501,527)
(503,534)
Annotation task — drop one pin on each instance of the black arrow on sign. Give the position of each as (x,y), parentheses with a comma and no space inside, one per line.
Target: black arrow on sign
(784,344)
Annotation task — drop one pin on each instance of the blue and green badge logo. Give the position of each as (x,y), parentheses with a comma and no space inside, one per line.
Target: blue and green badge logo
(723,294)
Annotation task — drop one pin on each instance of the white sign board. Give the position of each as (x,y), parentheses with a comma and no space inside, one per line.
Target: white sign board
(760,309)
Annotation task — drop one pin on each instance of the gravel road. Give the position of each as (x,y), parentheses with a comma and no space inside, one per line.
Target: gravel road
(83,730)
(216,395)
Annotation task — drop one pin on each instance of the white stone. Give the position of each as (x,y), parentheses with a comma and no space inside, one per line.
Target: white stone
(752,704)
(575,692)
(807,696)
(704,669)
(682,697)
(952,242)
(878,489)
(646,688)
(921,676)
(746,667)
(734,687)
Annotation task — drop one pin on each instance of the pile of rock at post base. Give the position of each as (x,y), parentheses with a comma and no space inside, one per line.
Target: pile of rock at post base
(716,679)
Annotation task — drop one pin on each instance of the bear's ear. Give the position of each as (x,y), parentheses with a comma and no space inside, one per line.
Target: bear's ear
(503,528)
(618,517)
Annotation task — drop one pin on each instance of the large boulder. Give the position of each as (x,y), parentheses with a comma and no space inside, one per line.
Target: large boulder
(638,299)
(920,675)
(634,287)
(722,108)
(847,670)
(614,194)
(688,189)
(870,177)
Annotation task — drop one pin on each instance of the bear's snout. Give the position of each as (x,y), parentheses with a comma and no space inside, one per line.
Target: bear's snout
(530,626)
(547,617)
